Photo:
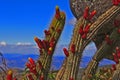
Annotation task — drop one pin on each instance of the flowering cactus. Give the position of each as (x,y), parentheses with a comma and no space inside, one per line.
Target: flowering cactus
(47,46)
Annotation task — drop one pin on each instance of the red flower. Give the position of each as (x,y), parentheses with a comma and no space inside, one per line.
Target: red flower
(113,67)
(57,14)
(115,58)
(72,48)
(118,52)
(15,79)
(86,13)
(46,32)
(58,30)
(50,50)
(81,30)
(115,2)
(119,31)
(39,42)
(41,77)
(71,78)
(33,70)
(66,52)
(52,39)
(52,44)
(118,1)
(9,75)
(92,14)
(29,76)
(28,65)
(44,44)
(84,36)
(116,23)
(31,61)
(108,40)
(87,28)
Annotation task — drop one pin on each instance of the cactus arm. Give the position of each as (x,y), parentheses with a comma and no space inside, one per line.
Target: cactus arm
(48,58)
(104,50)
(48,45)
(72,63)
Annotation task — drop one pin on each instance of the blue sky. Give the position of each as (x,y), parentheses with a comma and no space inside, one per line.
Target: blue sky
(21,20)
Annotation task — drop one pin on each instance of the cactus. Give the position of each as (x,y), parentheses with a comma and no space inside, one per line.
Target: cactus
(72,61)
(105,50)
(47,47)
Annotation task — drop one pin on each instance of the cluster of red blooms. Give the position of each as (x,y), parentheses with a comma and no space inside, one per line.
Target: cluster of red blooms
(117,24)
(88,16)
(108,40)
(43,44)
(71,78)
(116,2)
(84,31)
(72,49)
(10,76)
(48,46)
(116,57)
(32,67)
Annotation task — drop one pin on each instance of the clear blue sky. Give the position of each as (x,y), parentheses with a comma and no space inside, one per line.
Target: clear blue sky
(21,20)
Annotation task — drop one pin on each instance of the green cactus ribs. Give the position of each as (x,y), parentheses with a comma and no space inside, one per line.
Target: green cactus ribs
(47,46)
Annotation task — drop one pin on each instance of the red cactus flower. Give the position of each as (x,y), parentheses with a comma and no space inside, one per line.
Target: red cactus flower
(57,14)
(66,52)
(92,14)
(15,79)
(41,77)
(44,44)
(71,78)
(51,44)
(33,70)
(31,61)
(81,30)
(52,39)
(28,65)
(116,23)
(115,58)
(87,28)
(119,31)
(118,1)
(50,50)
(39,42)
(115,2)
(118,52)
(9,75)
(58,30)
(108,40)
(46,32)
(86,13)
(72,48)
(114,67)
(84,36)
(30,77)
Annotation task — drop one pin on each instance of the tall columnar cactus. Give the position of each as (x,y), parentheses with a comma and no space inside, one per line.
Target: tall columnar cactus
(46,47)
(80,39)
(107,48)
